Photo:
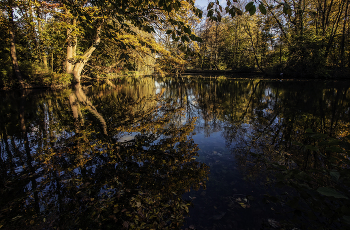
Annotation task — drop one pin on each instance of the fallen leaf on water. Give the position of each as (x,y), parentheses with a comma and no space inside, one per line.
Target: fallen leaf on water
(273,223)
(243,205)
(126,224)
(218,216)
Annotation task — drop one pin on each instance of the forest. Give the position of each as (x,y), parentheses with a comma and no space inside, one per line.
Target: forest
(56,43)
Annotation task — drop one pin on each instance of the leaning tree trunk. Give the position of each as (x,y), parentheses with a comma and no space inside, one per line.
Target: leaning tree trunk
(78,68)
(15,65)
(71,48)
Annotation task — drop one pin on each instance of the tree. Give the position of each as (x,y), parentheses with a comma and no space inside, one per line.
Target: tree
(108,16)
(9,7)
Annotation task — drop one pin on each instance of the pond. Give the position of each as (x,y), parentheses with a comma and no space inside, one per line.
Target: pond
(188,152)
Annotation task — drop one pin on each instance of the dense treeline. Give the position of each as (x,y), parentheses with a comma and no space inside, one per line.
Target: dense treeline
(298,37)
(57,42)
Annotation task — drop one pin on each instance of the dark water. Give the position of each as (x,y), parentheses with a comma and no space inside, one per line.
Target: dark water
(176,153)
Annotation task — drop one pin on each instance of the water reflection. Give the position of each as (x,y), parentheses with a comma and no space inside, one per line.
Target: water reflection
(136,154)
(286,133)
(64,165)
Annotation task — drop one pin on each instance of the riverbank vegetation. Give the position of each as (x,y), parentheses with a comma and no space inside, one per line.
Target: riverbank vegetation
(54,43)
(300,38)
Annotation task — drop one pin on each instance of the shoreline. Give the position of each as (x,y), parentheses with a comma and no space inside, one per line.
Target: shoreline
(227,74)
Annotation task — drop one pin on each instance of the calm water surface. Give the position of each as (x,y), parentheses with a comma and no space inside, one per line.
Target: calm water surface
(166,153)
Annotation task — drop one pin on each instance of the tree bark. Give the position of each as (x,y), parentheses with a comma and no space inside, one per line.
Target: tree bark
(71,48)
(342,44)
(42,53)
(78,68)
(334,29)
(15,64)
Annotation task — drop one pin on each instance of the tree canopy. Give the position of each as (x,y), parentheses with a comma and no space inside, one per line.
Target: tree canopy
(57,42)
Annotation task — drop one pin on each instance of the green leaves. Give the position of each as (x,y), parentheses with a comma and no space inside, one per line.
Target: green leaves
(210,5)
(330,192)
(187,29)
(210,13)
(185,38)
(251,8)
(195,38)
(262,8)
(287,9)
(148,29)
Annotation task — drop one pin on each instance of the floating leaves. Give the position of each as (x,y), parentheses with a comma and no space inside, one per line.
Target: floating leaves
(273,223)
(330,192)
(335,175)
(347,219)
(218,216)
(243,202)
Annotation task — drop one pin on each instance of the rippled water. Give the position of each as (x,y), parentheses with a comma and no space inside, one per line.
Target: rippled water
(167,153)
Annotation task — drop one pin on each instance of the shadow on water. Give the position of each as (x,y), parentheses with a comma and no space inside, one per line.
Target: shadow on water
(137,155)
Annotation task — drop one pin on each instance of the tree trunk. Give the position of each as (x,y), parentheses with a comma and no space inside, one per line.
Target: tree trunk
(253,47)
(42,53)
(44,58)
(71,48)
(334,29)
(342,44)
(78,68)
(15,65)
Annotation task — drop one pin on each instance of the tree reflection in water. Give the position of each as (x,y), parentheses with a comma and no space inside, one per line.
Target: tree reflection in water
(63,166)
(121,155)
(290,141)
